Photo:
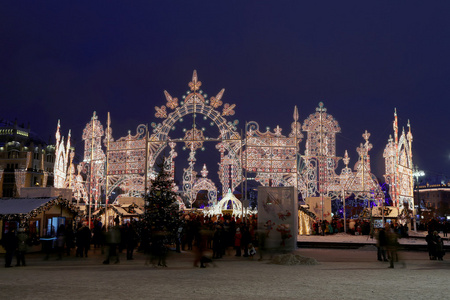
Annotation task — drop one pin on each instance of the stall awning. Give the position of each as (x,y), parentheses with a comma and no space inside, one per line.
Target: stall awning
(22,205)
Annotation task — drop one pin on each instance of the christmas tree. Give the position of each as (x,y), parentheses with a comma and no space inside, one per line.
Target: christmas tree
(162,214)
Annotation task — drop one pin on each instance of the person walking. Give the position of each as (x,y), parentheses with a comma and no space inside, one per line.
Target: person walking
(9,242)
(381,245)
(22,246)
(113,239)
(60,240)
(237,241)
(431,245)
(83,237)
(439,246)
(392,245)
(131,240)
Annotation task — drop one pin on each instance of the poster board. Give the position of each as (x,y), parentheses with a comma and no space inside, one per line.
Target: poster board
(278,217)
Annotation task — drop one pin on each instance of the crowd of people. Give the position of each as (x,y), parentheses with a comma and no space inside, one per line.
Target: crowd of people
(222,236)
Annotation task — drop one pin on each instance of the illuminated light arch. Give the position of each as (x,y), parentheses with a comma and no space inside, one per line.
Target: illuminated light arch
(195,103)
(206,184)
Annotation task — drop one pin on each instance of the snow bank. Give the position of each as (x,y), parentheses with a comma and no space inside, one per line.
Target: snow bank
(293,259)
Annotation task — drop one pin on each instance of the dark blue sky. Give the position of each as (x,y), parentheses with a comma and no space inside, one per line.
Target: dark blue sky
(63,60)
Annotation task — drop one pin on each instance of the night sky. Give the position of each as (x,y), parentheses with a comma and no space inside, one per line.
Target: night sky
(63,60)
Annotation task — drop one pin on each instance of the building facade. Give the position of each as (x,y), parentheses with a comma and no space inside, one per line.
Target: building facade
(433,200)
(25,159)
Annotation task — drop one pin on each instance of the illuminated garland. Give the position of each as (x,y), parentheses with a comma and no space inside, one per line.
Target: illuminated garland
(24,218)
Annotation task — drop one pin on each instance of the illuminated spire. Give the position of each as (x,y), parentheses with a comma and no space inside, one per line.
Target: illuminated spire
(195,84)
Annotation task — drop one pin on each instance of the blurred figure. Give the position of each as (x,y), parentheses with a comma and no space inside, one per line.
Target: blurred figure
(158,248)
(69,238)
(113,239)
(83,237)
(22,246)
(439,246)
(201,245)
(381,245)
(9,242)
(237,241)
(262,234)
(97,238)
(431,245)
(392,245)
(60,240)
(217,242)
(131,240)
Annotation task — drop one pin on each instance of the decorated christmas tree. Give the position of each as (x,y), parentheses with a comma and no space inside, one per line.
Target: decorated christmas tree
(162,214)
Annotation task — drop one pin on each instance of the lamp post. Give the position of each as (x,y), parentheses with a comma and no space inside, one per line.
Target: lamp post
(417,174)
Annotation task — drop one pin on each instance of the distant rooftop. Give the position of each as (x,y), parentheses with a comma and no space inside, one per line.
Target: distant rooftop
(12,131)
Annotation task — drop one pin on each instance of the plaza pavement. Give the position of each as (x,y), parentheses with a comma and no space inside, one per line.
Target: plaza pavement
(340,274)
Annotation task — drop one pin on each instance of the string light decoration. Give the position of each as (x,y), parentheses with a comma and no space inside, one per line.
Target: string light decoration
(271,155)
(274,158)
(320,153)
(362,184)
(195,104)
(399,167)
(61,159)
(47,204)
(203,183)
(19,176)
(126,162)
(94,156)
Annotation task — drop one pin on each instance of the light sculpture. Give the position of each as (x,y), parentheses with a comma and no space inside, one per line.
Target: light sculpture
(273,158)
(95,157)
(399,167)
(320,153)
(195,104)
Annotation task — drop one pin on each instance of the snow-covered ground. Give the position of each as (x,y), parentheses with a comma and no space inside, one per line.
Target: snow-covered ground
(339,274)
(417,238)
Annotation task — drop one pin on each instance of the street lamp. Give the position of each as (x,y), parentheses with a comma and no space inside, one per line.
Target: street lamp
(417,174)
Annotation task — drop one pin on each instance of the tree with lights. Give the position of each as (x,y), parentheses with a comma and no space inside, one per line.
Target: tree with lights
(162,216)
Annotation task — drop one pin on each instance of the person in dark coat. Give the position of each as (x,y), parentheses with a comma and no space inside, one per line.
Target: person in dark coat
(381,245)
(439,246)
(217,242)
(237,242)
(113,239)
(246,240)
(22,246)
(131,239)
(431,245)
(9,242)
(83,237)
(69,238)
(60,240)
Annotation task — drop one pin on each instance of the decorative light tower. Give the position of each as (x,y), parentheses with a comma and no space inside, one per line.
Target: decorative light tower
(94,156)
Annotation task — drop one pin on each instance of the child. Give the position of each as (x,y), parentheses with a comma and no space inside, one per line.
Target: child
(251,250)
